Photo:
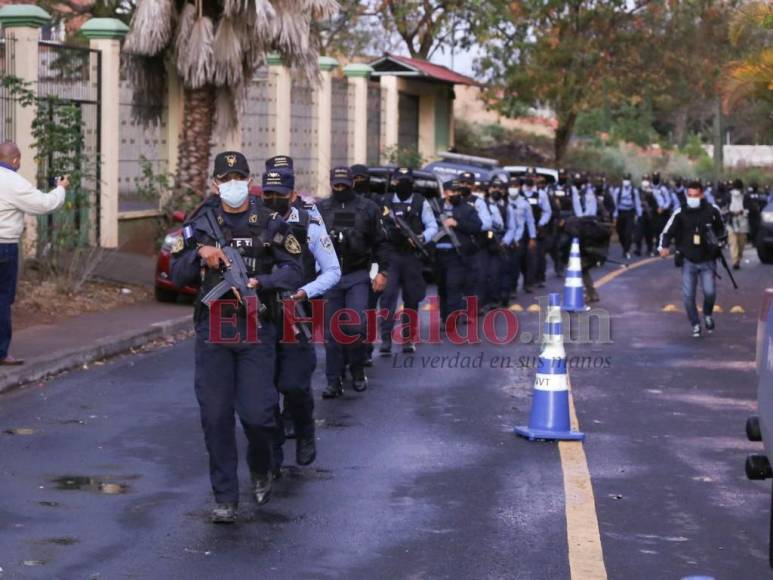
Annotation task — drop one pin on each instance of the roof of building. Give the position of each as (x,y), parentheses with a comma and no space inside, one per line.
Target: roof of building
(393,64)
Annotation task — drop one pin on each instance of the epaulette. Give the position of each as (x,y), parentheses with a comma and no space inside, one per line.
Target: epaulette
(315,220)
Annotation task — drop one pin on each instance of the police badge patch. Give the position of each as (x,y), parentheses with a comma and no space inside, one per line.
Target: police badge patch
(326,242)
(179,245)
(292,245)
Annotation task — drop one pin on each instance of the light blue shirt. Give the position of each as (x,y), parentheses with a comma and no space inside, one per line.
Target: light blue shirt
(662,196)
(321,247)
(483,213)
(427,218)
(497,223)
(519,216)
(589,197)
(626,198)
(542,201)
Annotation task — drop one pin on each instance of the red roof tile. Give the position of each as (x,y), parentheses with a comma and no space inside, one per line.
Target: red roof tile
(434,71)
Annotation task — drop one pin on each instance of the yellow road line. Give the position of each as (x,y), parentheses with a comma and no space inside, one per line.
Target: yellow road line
(586,556)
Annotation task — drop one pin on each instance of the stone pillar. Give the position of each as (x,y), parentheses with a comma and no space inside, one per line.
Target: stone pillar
(22,23)
(427,148)
(281,103)
(391,113)
(105,35)
(357,75)
(324,121)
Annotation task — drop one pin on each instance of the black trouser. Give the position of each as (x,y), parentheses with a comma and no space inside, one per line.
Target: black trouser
(528,259)
(544,245)
(645,232)
(236,378)
(351,292)
(625,222)
(406,275)
(454,271)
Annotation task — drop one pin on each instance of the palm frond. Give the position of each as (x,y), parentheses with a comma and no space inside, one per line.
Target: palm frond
(321,9)
(151,27)
(228,54)
(184,30)
(196,65)
(226,114)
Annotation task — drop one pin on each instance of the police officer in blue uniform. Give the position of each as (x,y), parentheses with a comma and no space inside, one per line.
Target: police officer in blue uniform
(234,375)
(296,358)
(354,225)
(405,266)
(644,234)
(520,235)
(475,282)
(455,256)
(584,202)
(663,203)
(533,258)
(499,292)
(627,211)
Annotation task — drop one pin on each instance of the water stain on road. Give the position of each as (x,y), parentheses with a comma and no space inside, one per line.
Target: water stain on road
(64,541)
(49,503)
(103,485)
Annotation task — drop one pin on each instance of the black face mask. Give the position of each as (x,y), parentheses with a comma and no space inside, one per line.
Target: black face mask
(455,200)
(343,195)
(278,204)
(465,191)
(403,189)
(362,187)
(496,195)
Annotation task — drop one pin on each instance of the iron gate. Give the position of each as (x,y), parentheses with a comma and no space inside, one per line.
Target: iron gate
(69,86)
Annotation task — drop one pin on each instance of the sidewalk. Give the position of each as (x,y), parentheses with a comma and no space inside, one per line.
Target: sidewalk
(49,349)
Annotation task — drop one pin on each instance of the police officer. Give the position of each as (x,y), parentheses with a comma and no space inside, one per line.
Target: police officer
(584,202)
(678,194)
(560,195)
(465,183)
(498,278)
(542,212)
(233,372)
(405,266)
(698,232)
(662,197)
(520,237)
(354,225)
(627,211)
(296,358)
(644,233)
(455,252)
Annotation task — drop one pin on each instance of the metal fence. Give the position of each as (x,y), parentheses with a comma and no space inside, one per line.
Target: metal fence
(304,135)
(341,137)
(68,89)
(7,128)
(142,146)
(258,122)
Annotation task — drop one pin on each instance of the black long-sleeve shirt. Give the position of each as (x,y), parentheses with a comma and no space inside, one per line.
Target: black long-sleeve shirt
(688,228)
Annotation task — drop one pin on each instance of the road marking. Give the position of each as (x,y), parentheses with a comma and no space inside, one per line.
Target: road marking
(737,310)
(586,556)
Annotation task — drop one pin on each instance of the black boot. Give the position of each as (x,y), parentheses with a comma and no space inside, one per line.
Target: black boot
(359,380)
(289,425)
(386,345)
(335,389)
(224,513)
(305,449)
(261,485)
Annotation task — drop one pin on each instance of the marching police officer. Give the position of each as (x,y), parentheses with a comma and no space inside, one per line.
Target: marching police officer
(354,225)
(233,372)
(520,237)
(498,278)
(465,183)
(296,358)
(405,210)
(698,231)
(644,234)
(627,211)
(663,203)
(456,247)
(542,212)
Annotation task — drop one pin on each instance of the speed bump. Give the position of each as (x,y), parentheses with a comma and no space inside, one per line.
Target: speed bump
(515,308)
(718,309)
(533,308)
(737,310)
(670,308)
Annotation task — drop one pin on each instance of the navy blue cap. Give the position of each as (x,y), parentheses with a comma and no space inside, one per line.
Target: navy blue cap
(341,176)
(466,177)
(279,162)
(449,185)
(278,181)
(403,174)
(360,170)
(231,162)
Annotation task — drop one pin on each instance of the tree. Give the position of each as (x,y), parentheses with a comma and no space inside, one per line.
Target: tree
(563,55)
(355,31)
(215,47)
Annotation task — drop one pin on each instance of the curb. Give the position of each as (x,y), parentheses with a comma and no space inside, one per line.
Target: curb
(40,367)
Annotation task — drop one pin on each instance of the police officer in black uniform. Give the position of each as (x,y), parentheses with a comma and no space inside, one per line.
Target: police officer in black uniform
(234,372)
(354,225)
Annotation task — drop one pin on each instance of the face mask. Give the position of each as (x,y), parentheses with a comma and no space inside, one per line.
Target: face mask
(645,184)
(693,202)
(455,200)
(362,186)
(234,193)
(528,191)
(496,195)
(465,191)
(343,195)
(278,204)
(626,183)
(404,189)
(513,192)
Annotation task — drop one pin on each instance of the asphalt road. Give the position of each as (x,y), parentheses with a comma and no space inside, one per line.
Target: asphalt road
(103,471)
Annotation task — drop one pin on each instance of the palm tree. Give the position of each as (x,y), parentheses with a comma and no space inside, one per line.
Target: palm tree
(752,76)
(214,48)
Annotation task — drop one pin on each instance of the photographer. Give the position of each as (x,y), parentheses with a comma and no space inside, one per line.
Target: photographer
(17,197)
(698,232)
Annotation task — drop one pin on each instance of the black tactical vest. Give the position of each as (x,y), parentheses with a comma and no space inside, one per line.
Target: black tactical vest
(411,213)
(348,226)
(300,230)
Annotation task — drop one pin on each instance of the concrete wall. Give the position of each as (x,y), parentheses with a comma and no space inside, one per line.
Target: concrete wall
(745,155)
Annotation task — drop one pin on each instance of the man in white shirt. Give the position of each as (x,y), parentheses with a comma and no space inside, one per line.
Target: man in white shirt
(17,197)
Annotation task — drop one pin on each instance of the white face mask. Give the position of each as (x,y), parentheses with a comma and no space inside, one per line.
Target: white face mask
(234,193)
(513,192)
(693,202)
(645,184)
(626,183)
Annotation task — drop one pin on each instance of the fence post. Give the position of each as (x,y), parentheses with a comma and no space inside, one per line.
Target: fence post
(357,75)
(105,35)
(391,114)
(281,103)
(325,121)
(22,23)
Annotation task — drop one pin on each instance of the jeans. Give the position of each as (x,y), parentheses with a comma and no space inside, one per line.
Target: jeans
(691,271)
(9,268)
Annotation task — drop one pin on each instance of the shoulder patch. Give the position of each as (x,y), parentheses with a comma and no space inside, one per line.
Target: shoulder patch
(326,242)
(253,218)
(315,220)
(179,245)
(292,245)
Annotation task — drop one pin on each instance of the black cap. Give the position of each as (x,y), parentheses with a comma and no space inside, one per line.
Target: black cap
(279,162)
(449,185)
(279,181)
(403,174)
(341,176)
(231,162)
(528,182)
(360,170)
(466,177)
(627,177)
